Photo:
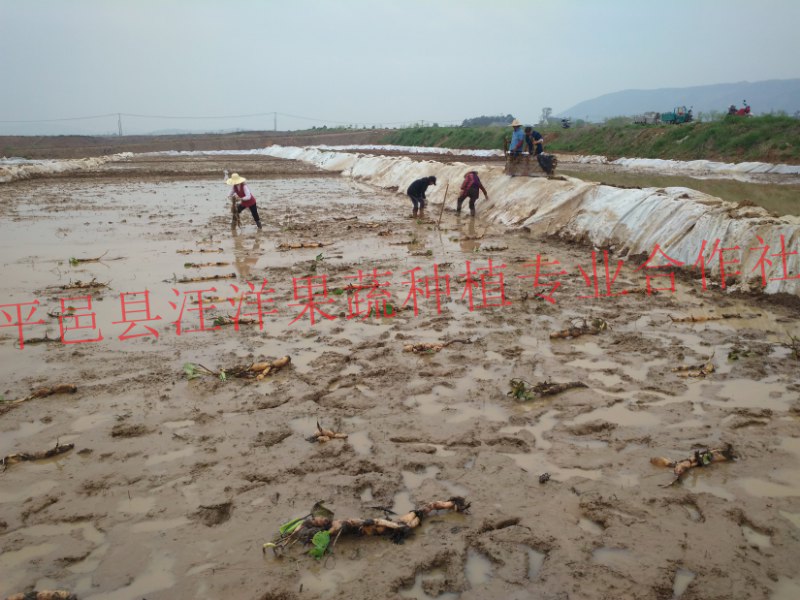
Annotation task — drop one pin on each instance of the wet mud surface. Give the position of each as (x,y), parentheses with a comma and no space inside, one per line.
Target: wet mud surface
(174,484)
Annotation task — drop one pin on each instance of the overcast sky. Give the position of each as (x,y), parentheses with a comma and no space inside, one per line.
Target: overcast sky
(365,62)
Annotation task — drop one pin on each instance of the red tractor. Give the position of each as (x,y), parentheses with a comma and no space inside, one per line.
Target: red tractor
(740,112)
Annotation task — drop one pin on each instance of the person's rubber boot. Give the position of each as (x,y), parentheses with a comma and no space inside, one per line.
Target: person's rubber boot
(472,212)
(458,206)
(414,213)
(258,224)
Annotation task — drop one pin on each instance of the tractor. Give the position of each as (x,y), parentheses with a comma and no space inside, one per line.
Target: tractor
(677,116)
(740,112)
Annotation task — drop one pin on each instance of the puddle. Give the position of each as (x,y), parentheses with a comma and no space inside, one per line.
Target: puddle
(620,415)
(413,480)
(697,483)
(169,456)
(613,558)
(694,514)
(360,442)
(754,538)
(89,422)
(434,403)
(609,380)
(535,465)
(593,365)
(158,525)
(590,526)
(745,393)
(535,562)
(178,424)
(545,423)
(786,589)
(417,592)
(158,576)
(683,577)
(589,348)
(478,569)
(788,487)
(40,488)
(136,505)
(587,443)
(402,503)
(454,489)
(793,518)
(12,441)
(91,562)
(366,495)
(9,561)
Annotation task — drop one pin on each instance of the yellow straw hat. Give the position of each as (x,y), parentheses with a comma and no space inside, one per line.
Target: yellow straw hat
(515,123)
(236,179)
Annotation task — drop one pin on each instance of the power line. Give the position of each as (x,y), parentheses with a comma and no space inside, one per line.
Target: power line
(63,119)
(274,114)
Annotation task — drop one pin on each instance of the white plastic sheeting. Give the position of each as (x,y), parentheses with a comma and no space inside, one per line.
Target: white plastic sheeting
(674,167)
(634,221)
(12,169)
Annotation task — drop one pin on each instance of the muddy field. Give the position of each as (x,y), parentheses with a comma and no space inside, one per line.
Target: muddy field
(174,483)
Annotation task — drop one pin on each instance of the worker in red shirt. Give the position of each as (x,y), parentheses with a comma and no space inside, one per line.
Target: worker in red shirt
(241,192)
(471,188)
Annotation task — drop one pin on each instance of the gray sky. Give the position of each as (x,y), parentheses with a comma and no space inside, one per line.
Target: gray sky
(372,62)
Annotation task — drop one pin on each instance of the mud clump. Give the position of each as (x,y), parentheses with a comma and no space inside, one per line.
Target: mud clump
(123,430)
(214,514)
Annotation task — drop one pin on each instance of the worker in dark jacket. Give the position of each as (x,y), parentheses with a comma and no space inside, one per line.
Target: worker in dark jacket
(416,191)
(534,140)
(471,188)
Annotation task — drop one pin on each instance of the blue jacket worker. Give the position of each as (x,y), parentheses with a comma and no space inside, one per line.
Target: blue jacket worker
(416,191)
(515,148)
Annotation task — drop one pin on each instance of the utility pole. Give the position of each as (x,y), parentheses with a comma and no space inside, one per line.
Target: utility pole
(119,124)
(275,121)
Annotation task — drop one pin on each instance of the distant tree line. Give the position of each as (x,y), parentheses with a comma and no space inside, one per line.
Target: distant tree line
(484,121)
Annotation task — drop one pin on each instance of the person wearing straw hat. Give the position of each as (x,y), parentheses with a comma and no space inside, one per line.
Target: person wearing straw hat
(242,193)
(517,138)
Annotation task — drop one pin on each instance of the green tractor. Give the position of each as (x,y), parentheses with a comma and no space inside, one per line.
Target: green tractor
(677,116)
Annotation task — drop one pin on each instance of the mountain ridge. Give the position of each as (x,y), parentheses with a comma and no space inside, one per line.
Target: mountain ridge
(770,96)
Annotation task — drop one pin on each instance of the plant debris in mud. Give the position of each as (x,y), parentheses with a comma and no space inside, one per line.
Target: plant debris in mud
(202,250)
(794,345)
(76,261)
(325,435)
(581,326)
(432,347)
(257,370)
(300,245)
(64,388)
(319,527)
(41,455)
(205,278)
(79,285)
(523,390)
(191,265)
(700,458)
(703,318)
(703,370)
(44,595)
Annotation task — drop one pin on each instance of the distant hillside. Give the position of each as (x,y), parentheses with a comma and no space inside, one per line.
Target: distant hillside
(763,96)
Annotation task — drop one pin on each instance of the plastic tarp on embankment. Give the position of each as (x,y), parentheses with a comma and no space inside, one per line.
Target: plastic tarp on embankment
(634,221)
(13,169)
